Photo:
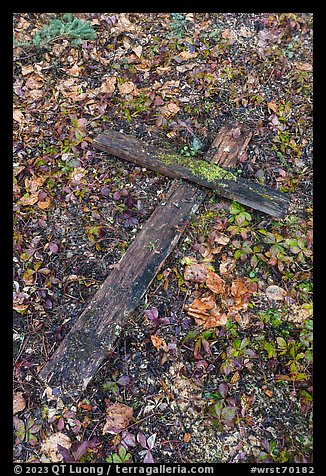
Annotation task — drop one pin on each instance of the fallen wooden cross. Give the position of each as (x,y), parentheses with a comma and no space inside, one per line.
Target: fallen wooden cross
(94,334)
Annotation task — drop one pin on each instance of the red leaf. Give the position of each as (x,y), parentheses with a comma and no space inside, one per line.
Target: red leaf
(53,247)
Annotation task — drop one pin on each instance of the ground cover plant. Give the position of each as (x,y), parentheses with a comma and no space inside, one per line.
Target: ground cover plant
(217,364)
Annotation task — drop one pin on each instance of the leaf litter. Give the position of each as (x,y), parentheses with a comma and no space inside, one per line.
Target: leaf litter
(209,316)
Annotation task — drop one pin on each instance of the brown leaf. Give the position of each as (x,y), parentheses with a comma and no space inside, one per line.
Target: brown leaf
(18,116)
(187,55)
(267,391)
(186,437)
(20,307)
(273,106)
(169,88)
(229,35)
(43,204)
(74,70)
(108,86)
(118,418)
(242,319)
(241,290)
(159,343)
(71,90)
(50,446)
(219,238)
(169,109)
(18,402)
(27,69)
(29,199)
(185,67)
(123,24)
(275,293)
(215,283)
(127,88)
(245,33)
(299,314)
(33,184)
(227,266)
(303,66)
(138,50)
(34,82)
(206,313)
(196,272)
(235,378)
(173,108)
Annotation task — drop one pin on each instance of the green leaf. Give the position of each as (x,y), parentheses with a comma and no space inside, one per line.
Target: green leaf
(271,351)
(282,344)
(122,452)
(228,414)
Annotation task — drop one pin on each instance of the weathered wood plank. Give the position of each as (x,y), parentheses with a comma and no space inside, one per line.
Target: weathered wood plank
(205,174)
(85,347)
(230,144)
(95,332)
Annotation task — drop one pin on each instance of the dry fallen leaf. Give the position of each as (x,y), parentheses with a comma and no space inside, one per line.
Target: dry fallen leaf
(241,290)
(118,418)
(33,184)
(235,378)
(43,204)
(275,293)
(169,88)
(72,90)
(187,55)
(206,312)
(299,314)
(159,343)
(303,66)
(219,238)
(78,174)
(127,87)
(273,106)
(267,391)
(215,283)
(173,108)
(185,67)
(18,402)
(123,24)
(227,266)
(138,50)
(29,199)
(186,437)
(34,82)
(242,319)
(27,69)
(229,35)
(196,272)
(20,307)
(245,33)
(74,70)
(50,446)
(18,116)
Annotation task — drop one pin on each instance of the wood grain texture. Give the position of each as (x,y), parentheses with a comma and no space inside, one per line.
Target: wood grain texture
(225,150)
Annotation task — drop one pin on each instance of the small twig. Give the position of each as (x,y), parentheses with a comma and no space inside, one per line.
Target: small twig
(145,418)
(44,347)
(22,347)
(93,430)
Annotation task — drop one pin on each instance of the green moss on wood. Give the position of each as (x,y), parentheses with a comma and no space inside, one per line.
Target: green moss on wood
(201,168)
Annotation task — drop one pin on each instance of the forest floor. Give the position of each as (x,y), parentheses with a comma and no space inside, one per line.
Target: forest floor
(197,392)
